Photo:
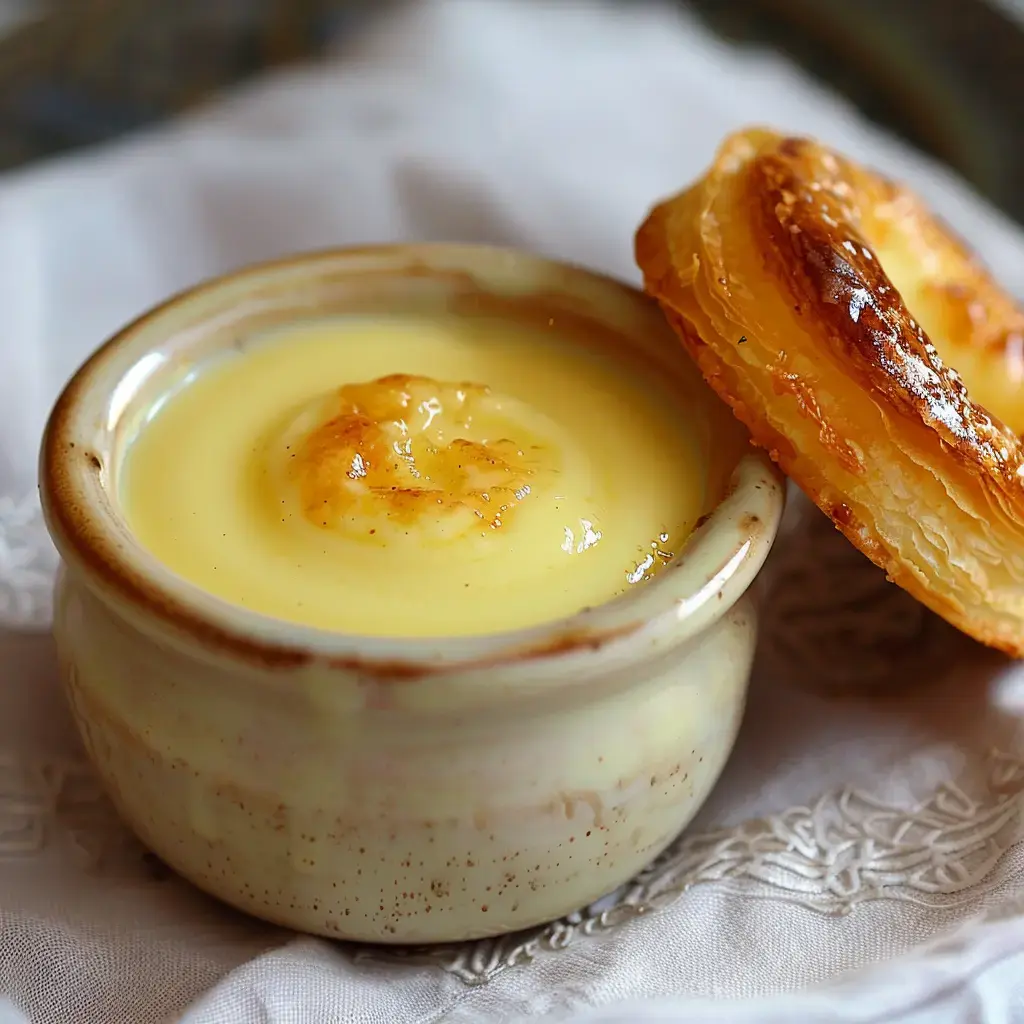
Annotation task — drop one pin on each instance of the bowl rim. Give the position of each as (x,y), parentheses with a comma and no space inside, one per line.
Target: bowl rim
(736,535)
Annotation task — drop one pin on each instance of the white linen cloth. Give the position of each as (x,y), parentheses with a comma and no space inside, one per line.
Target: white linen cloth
(862,857)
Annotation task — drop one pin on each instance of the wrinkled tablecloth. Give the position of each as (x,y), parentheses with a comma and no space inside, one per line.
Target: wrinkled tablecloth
(862,857)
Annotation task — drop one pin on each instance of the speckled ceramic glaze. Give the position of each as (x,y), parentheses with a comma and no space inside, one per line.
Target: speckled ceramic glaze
(397,790)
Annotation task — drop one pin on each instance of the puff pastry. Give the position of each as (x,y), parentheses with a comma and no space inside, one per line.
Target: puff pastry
(828,306)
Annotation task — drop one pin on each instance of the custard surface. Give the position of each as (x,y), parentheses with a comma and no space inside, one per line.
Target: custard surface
(416,477)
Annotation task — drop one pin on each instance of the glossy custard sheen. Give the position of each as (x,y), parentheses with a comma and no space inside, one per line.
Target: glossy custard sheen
(416,477)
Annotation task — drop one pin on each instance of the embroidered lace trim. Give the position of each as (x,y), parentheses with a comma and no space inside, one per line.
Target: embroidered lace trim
(27,564)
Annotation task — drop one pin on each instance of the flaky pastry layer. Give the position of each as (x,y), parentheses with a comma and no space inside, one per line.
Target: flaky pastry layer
(827,306)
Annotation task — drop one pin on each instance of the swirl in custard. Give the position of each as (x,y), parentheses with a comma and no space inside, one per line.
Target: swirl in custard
(378,458)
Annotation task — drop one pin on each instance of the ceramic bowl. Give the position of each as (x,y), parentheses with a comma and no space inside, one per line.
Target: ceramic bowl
(394,790)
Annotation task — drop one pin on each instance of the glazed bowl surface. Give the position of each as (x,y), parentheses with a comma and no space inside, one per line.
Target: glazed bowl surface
(394,790)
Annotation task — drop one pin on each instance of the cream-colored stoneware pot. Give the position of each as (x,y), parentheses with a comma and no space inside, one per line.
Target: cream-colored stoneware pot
(397,790)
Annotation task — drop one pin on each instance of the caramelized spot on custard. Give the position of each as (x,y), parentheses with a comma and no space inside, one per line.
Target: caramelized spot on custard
(392,447)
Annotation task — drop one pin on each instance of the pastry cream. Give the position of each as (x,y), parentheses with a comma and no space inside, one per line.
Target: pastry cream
(416,477)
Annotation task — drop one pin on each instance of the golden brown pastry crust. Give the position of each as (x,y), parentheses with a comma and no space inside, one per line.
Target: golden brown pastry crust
(816,297)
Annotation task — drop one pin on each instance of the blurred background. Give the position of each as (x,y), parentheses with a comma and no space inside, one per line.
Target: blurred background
(947,75)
